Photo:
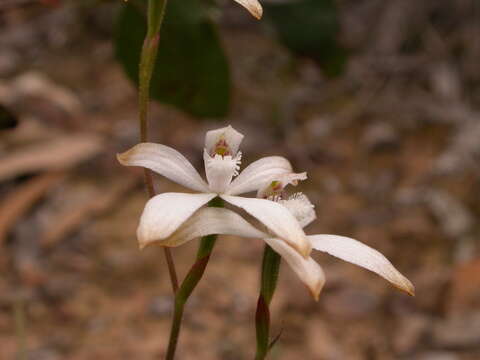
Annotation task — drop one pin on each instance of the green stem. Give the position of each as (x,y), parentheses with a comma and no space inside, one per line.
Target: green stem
(270,269)
(156,14)
(191,280)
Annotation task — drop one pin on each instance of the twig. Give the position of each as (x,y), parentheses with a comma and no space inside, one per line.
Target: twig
(19,201)
(60,153)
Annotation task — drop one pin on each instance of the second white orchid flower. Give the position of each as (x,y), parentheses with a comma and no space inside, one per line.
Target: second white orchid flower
(353,251)
(173,218)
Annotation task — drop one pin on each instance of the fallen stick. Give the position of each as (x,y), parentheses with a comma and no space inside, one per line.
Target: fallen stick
(22,198)
(61,153)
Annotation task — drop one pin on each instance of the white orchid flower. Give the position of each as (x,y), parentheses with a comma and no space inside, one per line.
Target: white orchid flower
(353,251)
(221,221)
(253,6)
(173,218)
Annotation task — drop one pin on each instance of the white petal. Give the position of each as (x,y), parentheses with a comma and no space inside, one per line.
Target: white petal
(360,254)
(307,269)
(253,6)
(231,136)
(208,221)
(165,161)
(164,213)
(259,173)
(276,218)
(300,207)
(220,170)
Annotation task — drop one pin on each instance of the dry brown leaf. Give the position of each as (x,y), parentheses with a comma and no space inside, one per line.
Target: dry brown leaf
(465,287)
(99,202)
(37,84)
(17,202)
(61,153)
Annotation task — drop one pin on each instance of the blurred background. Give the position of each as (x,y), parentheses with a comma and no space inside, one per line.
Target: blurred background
(378,100)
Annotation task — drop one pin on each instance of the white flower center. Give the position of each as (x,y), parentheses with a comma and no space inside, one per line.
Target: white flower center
(220,170)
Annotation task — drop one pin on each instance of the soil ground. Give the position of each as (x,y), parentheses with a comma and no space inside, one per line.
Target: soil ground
(392,152)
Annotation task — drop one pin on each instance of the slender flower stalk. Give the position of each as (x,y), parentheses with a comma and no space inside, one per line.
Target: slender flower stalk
(156,13)
(191,280)
(155,16)
(270,269)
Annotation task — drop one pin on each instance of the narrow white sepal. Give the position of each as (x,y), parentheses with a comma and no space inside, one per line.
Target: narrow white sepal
(209,221)
(253,6)
(309,272)
(259,173)
(165,161)
(164,213)
(220,170)
(362,255)
(276,218)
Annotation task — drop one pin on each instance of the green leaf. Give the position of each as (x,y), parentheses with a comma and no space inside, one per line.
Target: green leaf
(309,28)
(191,70)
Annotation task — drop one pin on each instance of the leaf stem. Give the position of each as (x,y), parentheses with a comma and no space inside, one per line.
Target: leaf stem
(156,14)
(270,269)
(191,280)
